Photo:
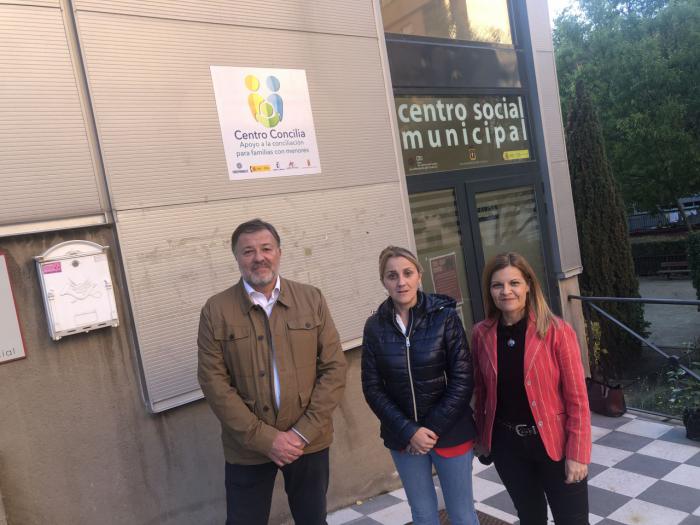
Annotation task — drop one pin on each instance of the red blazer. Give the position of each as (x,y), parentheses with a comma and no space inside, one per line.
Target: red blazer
(554,382)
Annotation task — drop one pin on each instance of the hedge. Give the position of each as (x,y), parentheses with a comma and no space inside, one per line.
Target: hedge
(649,255)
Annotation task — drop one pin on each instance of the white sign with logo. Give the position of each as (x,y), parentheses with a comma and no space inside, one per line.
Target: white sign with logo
(11,344)
(266,122)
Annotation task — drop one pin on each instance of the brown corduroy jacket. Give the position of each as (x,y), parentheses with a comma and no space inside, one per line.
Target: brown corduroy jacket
(235,369)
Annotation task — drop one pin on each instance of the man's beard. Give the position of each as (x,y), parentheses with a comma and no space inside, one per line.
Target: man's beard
(256,279)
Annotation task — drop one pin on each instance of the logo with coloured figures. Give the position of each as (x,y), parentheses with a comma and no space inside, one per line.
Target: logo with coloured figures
(269,110)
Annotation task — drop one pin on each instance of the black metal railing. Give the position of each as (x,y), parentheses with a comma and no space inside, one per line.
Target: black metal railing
(672,360)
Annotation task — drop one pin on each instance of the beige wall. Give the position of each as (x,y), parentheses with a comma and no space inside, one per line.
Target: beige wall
(77,445)
(572,311)
(147,67)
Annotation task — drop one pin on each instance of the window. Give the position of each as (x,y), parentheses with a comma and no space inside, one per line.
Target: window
(468,20)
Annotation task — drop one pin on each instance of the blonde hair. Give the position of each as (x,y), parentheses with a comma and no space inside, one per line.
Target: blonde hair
(536,303)
(396,251)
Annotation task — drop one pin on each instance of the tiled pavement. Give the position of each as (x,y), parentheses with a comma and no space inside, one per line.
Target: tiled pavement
(643,472)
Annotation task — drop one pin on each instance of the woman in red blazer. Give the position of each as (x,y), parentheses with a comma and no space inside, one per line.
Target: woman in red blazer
(531,407)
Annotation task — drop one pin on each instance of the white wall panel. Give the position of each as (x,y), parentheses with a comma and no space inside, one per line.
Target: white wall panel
(157,117)
(178,256)
(39,3)
(46,169)
(320,16)
(563,219)
(540,28)
(550,106)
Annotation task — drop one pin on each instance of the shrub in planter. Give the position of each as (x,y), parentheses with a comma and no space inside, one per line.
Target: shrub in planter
(603,398)
(685,394)
(691,420)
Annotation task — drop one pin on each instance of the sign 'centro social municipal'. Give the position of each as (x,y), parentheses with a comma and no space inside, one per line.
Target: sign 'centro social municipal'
(266,122)
(449,133)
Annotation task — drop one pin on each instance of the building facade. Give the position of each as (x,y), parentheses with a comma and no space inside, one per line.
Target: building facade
(434,125)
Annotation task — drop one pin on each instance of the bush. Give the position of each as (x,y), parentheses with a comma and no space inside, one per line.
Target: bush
(649,255)
(601,221)
(694,260)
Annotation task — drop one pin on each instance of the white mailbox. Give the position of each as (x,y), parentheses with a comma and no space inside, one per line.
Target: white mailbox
(77,288)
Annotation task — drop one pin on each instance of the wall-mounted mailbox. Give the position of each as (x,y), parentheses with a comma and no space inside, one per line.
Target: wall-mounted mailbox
(77,288)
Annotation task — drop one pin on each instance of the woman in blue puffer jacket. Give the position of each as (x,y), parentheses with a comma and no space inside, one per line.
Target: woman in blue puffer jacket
(417,379)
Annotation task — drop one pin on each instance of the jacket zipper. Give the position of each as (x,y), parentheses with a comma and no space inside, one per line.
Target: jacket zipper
(273,356)
(408,362)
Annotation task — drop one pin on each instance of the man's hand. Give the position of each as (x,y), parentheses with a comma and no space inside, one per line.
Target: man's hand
(575,471)
(286,447)
(423,441)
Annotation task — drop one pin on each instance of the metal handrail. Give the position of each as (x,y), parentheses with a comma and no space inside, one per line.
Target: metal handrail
(672,359)
(649,300)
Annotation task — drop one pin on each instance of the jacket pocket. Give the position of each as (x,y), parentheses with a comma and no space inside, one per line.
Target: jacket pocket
(236,342)
(303,338)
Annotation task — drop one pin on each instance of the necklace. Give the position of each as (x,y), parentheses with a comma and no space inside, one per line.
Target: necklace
(510,342)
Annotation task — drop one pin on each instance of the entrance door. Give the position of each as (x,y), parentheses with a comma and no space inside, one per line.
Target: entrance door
(459,227)
(440,248)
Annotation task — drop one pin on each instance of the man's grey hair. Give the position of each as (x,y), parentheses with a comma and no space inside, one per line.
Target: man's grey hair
(252,226)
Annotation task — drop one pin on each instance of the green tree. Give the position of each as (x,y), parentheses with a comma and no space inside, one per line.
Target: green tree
(608,269)
(640,60)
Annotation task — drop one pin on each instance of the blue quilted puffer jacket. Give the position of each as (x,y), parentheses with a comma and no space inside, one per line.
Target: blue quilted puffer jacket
(424,379)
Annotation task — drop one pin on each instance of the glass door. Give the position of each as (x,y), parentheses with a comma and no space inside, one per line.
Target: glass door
(507,216)
(440,248)
(508,222)
(459,225)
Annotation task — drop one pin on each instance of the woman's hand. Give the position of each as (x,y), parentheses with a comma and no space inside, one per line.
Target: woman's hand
(423,441)
(575,471)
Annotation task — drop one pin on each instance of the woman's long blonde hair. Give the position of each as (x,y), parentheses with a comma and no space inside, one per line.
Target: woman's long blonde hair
(536,303)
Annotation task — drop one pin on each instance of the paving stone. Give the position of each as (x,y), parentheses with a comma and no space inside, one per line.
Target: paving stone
(374,504)
(608,422)
(647,465)
(694,461)
(603,502)
(624,441)
(492,475)
(672,495)
(502,501)
(639,512)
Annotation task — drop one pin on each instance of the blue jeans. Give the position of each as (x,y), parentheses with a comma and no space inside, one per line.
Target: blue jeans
(455,475)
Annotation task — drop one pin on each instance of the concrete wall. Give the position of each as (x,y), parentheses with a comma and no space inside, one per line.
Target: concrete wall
(77,445)
(572,311)
(3,518)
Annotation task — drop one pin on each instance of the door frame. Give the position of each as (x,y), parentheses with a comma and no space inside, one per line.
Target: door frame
(465,184)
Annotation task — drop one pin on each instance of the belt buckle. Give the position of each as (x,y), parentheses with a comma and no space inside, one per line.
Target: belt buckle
(523,430)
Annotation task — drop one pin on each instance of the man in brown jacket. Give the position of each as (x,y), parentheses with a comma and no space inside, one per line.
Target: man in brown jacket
(272,370)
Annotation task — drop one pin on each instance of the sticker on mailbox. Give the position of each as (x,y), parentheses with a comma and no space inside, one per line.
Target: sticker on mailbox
(52,267)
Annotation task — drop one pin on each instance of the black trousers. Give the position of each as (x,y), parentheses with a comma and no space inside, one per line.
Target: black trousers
(249,490)
(533,480)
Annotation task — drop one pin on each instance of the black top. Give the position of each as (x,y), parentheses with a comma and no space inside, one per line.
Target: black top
(512,405)
(423,380)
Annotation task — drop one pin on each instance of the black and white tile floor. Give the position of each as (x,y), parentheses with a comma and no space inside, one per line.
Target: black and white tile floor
(643,472)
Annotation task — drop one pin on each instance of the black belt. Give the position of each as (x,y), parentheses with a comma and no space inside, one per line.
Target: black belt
(521,430)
